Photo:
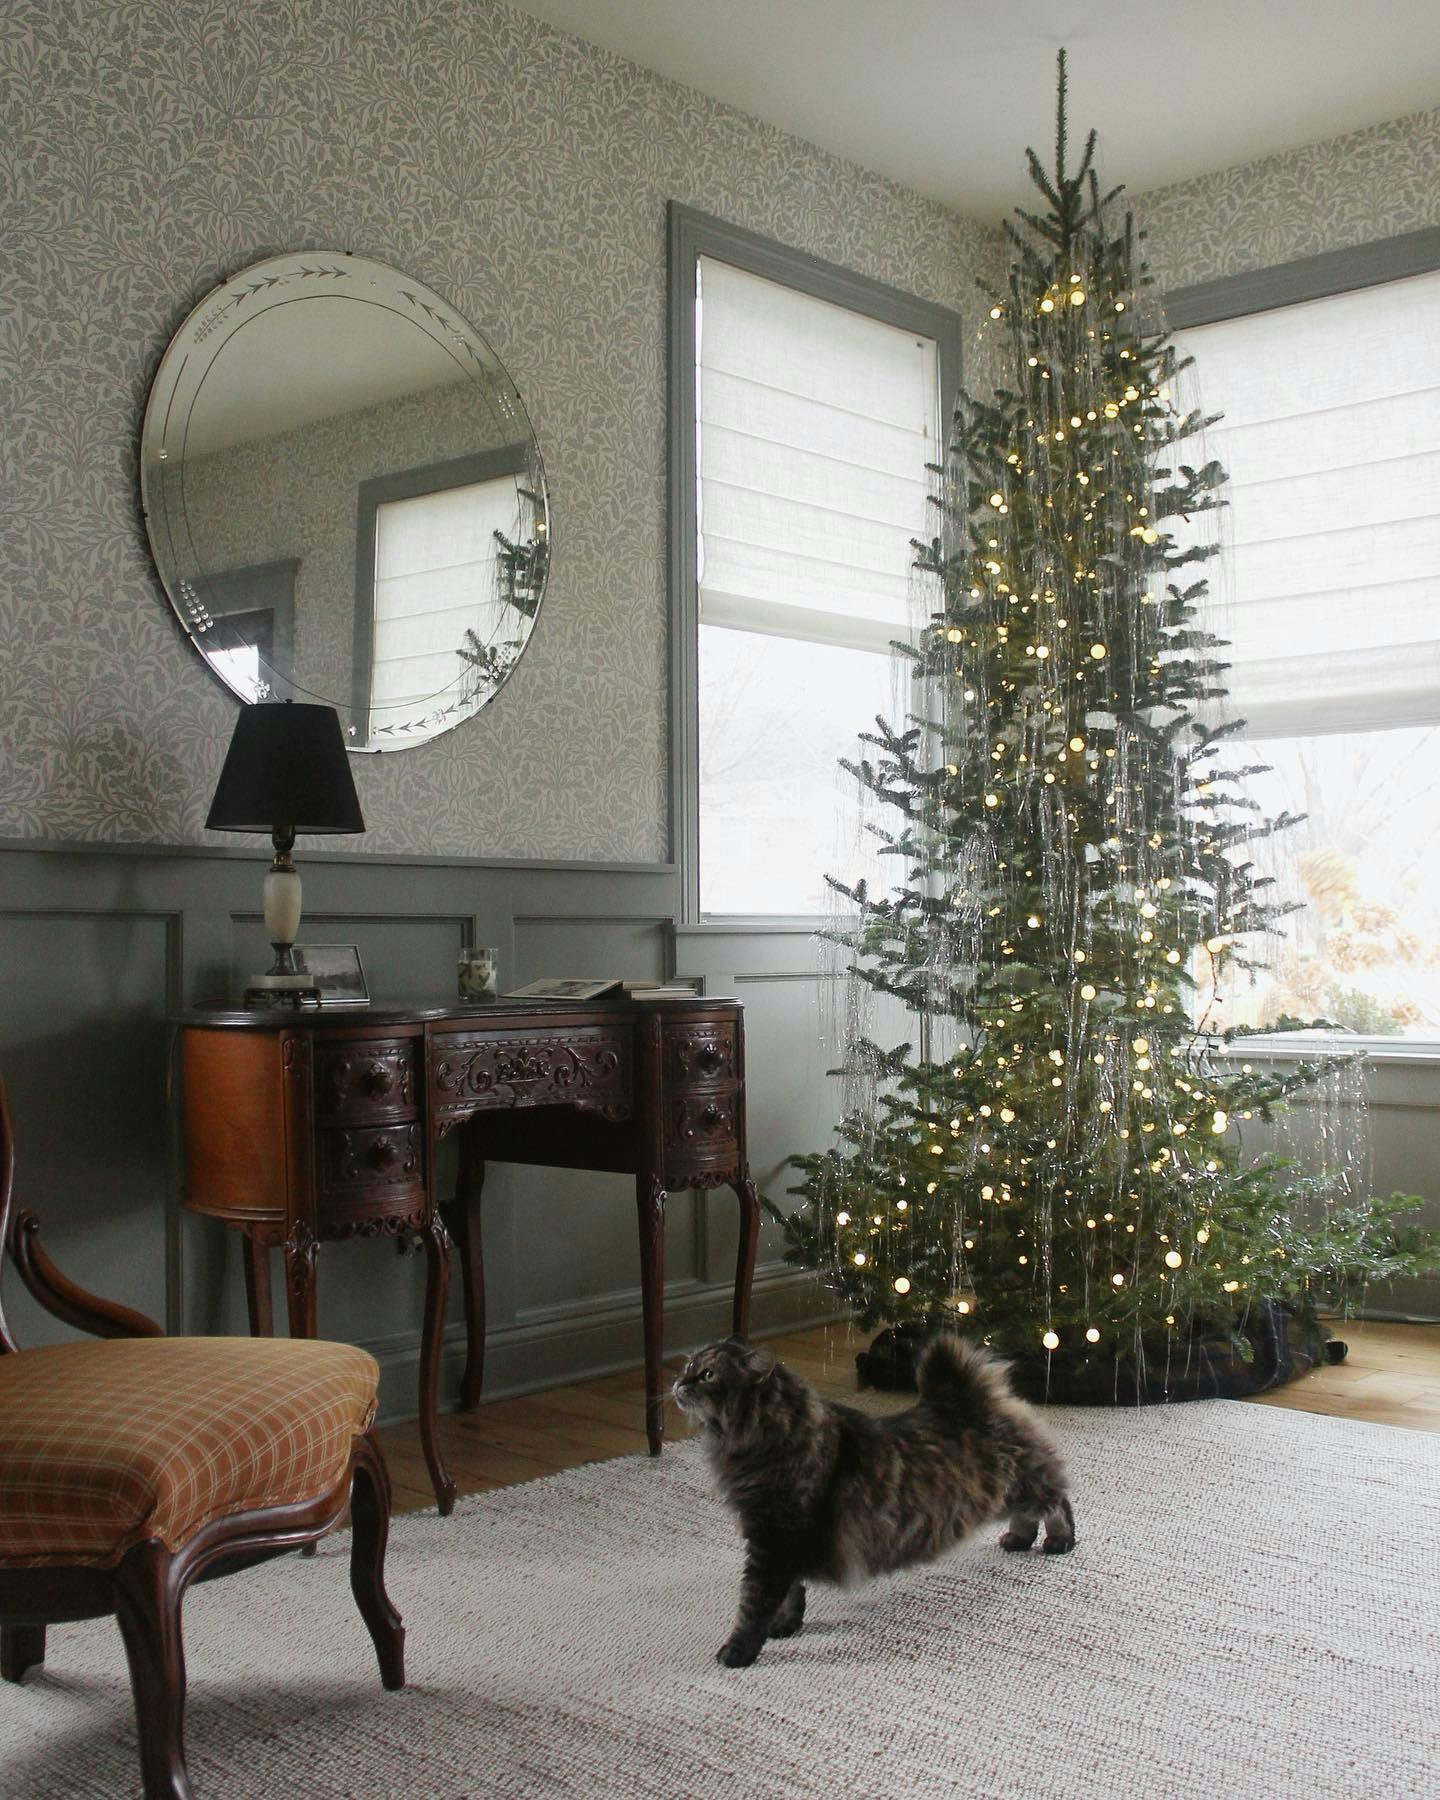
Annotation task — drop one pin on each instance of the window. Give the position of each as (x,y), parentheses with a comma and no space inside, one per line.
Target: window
(806,404)
(1331,436)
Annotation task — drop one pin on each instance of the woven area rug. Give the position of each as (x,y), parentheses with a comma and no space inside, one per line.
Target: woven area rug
(1252,1609)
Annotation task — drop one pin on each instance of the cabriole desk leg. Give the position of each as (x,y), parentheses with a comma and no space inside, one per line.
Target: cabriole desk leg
(650,1207)
(745,1260)
(437,1292)
(258,1302)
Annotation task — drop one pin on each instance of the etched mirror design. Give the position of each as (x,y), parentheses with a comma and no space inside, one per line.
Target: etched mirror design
(344,497)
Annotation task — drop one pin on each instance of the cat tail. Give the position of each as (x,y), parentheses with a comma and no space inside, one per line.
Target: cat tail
(964,1379)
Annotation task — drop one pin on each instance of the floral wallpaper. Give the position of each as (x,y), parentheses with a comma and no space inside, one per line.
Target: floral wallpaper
(1370,184)
(151,149)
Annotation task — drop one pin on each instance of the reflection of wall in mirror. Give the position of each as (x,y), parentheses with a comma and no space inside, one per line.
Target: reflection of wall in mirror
(295,495)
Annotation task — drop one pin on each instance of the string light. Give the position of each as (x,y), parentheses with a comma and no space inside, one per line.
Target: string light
(1092,1336)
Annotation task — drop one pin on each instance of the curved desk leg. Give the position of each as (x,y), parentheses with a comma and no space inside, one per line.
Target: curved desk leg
(258,1301)
(437,1292)
(650,1205)
(466,1216)
(300,1254)
(745,1261)
(300,1249)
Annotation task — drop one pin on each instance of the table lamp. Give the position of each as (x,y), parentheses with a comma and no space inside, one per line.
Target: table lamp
(286,771)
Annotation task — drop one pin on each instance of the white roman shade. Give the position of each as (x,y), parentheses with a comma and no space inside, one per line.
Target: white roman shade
(1331,437)
(815,424)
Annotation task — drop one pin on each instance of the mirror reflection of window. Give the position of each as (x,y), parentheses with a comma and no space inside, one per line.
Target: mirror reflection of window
(436,578)
(239,664)
(435,630)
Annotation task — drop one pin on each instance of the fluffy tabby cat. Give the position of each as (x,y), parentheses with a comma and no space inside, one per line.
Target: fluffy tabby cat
(826,1493)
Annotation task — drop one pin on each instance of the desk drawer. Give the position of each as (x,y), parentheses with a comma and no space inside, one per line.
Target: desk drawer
(357,1080)
(587,1067)
(391,1157)
(703,1053)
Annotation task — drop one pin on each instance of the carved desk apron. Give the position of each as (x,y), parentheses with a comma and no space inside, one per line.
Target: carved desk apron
(308,1127)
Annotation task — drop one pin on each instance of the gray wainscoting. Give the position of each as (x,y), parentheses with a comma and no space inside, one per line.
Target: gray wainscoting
(100,946)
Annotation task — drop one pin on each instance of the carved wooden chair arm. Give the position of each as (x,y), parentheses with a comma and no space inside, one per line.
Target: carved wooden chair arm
(61,1297)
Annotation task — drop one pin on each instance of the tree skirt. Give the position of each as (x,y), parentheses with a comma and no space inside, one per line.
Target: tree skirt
(1251,1609)
(1269,1346)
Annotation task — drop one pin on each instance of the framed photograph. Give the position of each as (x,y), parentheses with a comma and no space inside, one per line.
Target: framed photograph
(337,972)
(550,989)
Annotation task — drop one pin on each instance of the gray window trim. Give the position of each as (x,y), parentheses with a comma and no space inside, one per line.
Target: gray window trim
(1308,278)
(694,234)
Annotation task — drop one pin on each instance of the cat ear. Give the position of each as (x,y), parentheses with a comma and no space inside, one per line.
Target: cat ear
(759,1365)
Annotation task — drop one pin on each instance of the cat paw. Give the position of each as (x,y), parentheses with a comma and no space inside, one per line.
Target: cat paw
(737,1653)
(783,1628)
(1057,1546)
(1017,1540)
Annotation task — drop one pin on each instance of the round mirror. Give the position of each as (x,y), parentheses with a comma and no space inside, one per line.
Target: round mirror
(344,497)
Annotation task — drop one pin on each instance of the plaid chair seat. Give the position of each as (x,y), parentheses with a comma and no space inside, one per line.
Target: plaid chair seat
(105,1445)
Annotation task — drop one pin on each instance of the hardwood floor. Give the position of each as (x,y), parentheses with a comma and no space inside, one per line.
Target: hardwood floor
(1392,1376)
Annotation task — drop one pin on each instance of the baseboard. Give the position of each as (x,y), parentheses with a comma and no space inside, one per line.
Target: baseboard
(522,1358)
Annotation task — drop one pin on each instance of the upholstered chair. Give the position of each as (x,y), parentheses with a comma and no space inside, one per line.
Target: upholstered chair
(131,1467)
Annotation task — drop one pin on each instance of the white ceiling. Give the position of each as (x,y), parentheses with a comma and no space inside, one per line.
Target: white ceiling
(944,95)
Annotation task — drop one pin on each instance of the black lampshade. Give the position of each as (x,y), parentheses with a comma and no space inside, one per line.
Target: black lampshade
(286,766)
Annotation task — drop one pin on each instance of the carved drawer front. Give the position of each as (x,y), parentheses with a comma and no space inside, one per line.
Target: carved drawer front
(702,1142)
(389,1157)
(701,1054)
(373,1079)
(587,1068)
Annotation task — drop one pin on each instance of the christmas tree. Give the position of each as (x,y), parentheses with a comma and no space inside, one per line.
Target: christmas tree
(1059,1162)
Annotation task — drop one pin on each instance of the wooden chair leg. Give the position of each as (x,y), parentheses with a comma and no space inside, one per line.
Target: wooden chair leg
(370,1529)
(22,1647)
(147,1610)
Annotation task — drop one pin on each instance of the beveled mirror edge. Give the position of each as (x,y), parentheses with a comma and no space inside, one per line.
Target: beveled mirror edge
(432,313)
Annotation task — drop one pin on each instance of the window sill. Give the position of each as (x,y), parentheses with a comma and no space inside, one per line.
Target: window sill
(1292,1046)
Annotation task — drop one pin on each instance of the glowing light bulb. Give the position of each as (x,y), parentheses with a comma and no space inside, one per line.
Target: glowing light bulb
(962,1306)
(1050,1341)
(902,1284)
(1087,992)
(860,1259)
(1230,1286)
(997,499)
(1047,305)
(992,799)
(994,312)
(1173,1259)
(1117,1280)
(1092,1336)
(842,1218)
(1220,1123)
(1078,297)
(1202,1236)
(1098,651)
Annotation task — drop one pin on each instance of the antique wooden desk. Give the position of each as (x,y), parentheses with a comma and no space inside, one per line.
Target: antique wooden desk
(304,1127)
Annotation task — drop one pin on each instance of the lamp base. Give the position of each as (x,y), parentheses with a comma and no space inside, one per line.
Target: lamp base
(282,990)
